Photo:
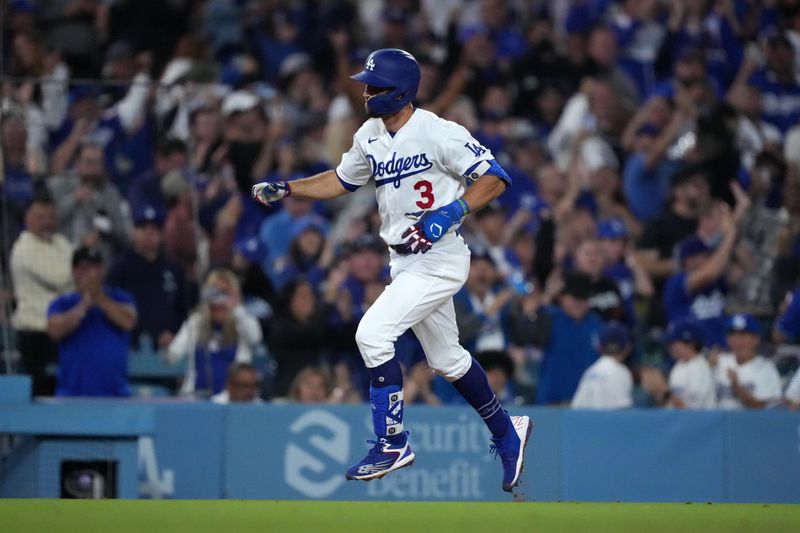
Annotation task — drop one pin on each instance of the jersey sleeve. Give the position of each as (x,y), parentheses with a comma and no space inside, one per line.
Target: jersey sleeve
(354,170)
(465,156)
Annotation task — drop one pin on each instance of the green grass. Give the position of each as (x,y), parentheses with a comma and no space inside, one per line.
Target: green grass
(233,516)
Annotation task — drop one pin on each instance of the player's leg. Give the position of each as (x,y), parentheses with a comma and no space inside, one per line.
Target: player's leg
(438,334)
(405,302)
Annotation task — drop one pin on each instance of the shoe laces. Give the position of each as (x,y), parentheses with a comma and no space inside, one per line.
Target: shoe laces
(377,445)
(496,449)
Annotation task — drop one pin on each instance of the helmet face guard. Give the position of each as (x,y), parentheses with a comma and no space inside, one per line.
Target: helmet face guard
(392,69)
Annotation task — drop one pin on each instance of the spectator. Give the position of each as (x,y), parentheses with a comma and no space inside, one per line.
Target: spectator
(744,378)
(779,88)
(148,189)
(40,272)
(157,284)
(699,289)
(310,385)
(297,336)
(688,196)
(499,369)
(242,385)
(91,211)
(566,333)
(17,185)
(482,308)
(608,383)
(621,265)
(303,258)
(648,170)
(366,270)
(278,230)
(640,37)
(606,299)
(92,328)
(258,294)
(215,335)
(691,381)
(418,387)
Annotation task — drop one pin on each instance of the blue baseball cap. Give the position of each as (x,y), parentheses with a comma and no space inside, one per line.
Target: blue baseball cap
(743,322)
(691,246)
(147,214)
(613,338)
(612,228)
(686,329)
(252,249)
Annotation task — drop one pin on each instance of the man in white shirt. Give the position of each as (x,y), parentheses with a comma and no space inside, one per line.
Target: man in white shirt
(691,382)
(608,383)
(41,262)
(744,378)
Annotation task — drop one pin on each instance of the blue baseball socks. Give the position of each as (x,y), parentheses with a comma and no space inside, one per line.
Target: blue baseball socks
(386,397)
(474,387)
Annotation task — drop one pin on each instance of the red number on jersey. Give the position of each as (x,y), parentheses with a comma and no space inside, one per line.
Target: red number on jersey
(426,192)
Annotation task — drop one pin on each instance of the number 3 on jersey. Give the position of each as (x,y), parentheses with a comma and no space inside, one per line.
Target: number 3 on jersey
(425,189)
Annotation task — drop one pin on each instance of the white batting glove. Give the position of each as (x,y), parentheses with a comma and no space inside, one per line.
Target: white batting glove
(268,192)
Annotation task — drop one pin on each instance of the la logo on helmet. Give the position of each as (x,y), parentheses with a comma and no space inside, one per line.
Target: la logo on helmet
(370,64)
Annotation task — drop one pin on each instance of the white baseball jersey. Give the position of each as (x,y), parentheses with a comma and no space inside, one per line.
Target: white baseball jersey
(693,382)
(607,384)
(758,375)
(793,389)
(422,167)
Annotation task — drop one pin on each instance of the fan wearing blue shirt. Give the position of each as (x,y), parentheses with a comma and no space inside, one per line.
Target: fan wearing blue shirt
(780,92)
(699,288)
(92,328)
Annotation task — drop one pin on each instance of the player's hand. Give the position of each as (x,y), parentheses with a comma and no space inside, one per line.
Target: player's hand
(268,192)
(415,241)
(434,224)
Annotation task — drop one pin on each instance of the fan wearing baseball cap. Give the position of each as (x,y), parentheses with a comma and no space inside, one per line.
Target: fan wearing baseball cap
(699,288)
(691,382)
(92,329)
(157,283)
(745,379)
(608,383)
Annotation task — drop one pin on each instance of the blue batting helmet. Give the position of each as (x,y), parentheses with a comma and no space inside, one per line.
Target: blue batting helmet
(393,69)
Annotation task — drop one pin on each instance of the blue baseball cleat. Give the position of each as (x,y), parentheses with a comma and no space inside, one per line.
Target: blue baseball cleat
(382,459)
(511,449)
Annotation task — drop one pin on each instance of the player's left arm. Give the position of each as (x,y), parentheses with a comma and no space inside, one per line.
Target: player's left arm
(483,191)
(433,225)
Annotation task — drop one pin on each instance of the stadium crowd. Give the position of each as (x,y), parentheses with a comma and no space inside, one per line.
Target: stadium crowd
(645,255)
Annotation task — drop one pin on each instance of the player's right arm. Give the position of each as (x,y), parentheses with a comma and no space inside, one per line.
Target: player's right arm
(322,186)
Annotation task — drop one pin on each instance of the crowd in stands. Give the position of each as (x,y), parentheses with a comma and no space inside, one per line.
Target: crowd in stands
(647,253)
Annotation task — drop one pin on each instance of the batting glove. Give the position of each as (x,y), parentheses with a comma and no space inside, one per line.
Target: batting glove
(415,242)
(269,192)
(434,224)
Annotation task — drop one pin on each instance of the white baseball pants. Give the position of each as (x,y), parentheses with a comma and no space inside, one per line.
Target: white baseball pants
(420,297)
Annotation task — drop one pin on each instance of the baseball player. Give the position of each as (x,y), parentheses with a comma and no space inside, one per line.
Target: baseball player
(420,164)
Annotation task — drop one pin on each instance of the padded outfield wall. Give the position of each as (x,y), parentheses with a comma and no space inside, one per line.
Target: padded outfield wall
(199,450)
